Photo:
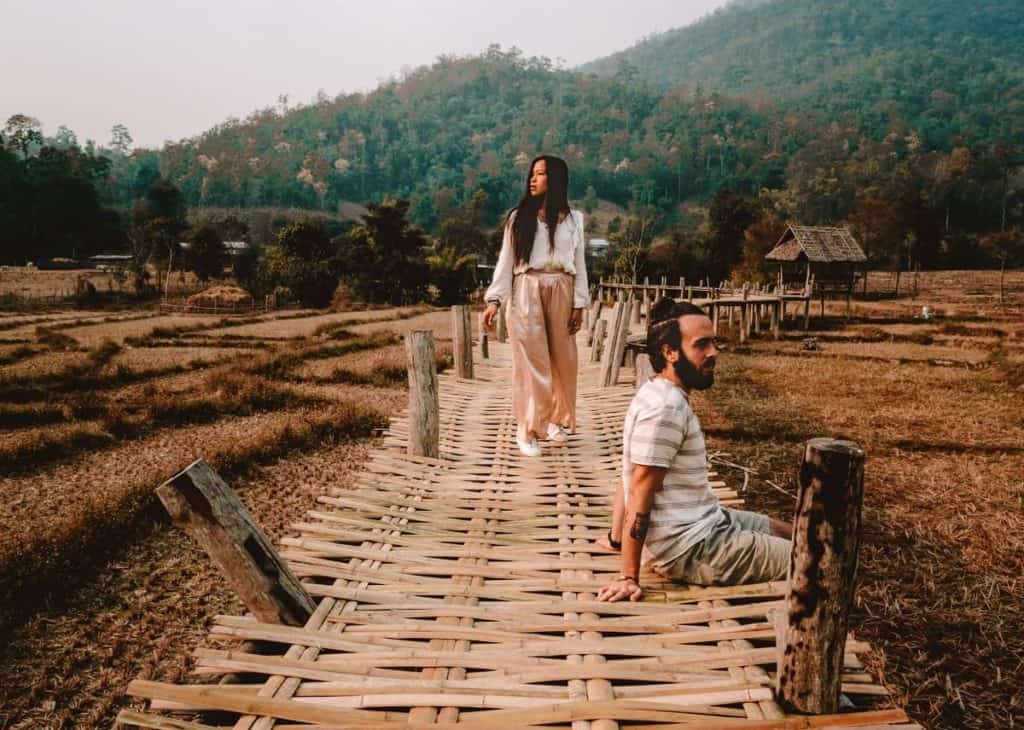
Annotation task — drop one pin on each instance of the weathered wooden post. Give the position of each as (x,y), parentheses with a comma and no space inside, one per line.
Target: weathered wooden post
(424,419)
(608,341)
(643,369)
(462,342)
(744,316)
(501,327)
(484,351)
(619,346)
(597,343)
(199,502)
(823,568)
(634,311)
(595,317)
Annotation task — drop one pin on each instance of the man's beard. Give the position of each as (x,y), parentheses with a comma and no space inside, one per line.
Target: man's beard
(691,377)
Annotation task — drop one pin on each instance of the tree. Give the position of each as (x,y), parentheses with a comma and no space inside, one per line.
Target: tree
(157,222)
(120,140)
(451,271)
(22,132)
(65,138)
(590,201)
(758,239)
(728,217)
(631,243)
(1007,247)
(206,255)
(304,260)
(384,257)
(677,253)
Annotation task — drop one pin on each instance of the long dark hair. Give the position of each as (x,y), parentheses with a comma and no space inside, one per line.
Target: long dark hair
(556,201)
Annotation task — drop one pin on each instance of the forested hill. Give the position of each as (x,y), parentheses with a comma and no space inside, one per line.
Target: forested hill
(945,66)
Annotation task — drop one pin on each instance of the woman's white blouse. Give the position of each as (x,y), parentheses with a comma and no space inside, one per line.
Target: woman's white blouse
(568,255)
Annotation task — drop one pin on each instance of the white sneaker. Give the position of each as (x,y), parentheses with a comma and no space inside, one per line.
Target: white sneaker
(529,448)
(557,434)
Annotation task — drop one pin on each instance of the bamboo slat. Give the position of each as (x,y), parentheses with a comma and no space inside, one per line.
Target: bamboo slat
(460,590)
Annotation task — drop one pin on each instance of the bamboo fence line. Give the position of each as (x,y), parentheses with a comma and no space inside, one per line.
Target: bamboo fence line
(460,589)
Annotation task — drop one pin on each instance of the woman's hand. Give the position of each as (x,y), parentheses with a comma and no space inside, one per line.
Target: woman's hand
(576,321)
(489,314)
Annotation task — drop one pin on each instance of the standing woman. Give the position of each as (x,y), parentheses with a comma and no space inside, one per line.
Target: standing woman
(541,273)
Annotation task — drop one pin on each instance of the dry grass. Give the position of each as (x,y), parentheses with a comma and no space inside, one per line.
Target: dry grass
(63,515)
(31,283)
(438,321)
(119,331)
(152,604)
(142,360)
(892,351)
(941,580)
(116,437)
(382,367)
(309,326)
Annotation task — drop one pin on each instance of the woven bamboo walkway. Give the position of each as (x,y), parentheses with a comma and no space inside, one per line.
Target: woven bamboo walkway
(461,591)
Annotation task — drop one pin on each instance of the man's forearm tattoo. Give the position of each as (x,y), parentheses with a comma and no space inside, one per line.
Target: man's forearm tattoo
(639,529)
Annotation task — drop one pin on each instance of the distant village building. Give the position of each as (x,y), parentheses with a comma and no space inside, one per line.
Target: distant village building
(597,247)
(233,248)
(829,256)
(110,261)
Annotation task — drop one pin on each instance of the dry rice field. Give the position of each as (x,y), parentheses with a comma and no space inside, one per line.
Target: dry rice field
(98,590)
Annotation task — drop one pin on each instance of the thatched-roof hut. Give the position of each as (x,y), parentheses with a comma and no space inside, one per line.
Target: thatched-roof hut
(829,256)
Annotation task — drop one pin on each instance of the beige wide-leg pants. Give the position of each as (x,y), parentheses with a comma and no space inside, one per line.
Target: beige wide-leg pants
(544,359)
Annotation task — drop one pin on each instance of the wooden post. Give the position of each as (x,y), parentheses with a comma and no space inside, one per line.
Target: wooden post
(608,344)
(204,506)
(744,316)
(643,370)
(462,342)
(634,311)
(424,419)
(483,345)
(595,317)
(823,568)
(776,318)
(598,340)
(501,328)
(619,350)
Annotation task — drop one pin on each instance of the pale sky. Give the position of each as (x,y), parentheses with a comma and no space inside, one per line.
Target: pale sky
(172,69)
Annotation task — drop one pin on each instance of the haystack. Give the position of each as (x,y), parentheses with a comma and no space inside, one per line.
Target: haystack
(227,297)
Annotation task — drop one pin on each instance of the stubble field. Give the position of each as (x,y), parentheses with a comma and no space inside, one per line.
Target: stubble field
(97,409)
(938,406)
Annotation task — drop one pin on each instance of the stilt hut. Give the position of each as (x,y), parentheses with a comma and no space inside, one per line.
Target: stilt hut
(826,258)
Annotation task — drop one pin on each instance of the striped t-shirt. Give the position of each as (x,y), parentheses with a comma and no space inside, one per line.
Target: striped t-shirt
(662,430)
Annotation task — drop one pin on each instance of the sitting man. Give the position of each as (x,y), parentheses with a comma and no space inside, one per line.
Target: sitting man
(671,514)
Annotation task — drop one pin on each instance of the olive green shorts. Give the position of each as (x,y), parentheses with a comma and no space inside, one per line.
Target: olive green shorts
(740,549)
